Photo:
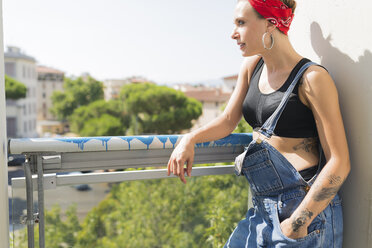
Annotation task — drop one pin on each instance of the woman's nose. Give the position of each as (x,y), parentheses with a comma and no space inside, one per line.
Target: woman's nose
(233,35)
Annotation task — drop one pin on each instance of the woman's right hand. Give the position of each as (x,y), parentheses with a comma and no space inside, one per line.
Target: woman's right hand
(183,153)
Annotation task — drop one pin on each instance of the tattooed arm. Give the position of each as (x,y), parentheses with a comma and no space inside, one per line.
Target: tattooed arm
(319,196)
(321,93)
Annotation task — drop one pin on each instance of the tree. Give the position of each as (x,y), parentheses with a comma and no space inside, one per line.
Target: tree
(159,109)
(166,213)
(160,213)
(59,232)
(77,92)
(243,127)
(13,89)
(100,118)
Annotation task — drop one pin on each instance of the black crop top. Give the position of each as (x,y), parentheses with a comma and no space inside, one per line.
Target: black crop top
(296,121)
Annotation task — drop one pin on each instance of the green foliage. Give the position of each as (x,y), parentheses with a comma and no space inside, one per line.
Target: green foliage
(243,127)
(159,109)
(166,213)
(77,92)
(13,89)
(58,233)
(100,118)
(154,214)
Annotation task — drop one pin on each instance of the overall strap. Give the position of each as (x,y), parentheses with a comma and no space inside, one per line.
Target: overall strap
(268,127)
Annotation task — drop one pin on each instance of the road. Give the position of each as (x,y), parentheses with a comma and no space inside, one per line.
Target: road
(64,196)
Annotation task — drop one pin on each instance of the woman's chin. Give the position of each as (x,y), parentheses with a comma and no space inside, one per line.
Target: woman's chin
(247,54)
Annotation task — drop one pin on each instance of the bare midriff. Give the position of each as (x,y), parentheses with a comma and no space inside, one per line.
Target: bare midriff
(302,153)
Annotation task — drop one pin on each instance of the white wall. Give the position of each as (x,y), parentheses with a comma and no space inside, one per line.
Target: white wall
(338,35)
(25,72)
(4,208)
(47,88)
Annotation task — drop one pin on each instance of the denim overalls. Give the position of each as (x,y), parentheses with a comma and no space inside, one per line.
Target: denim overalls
(277,190)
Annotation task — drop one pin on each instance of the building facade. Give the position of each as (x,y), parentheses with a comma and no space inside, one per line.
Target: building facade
(21,114)
(48,81)
(212,99)
(112,87)
(229,83)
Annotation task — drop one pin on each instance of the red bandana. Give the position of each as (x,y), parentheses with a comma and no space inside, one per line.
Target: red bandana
(274,11)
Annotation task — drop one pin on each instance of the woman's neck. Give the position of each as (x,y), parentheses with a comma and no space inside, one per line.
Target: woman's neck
(282,56)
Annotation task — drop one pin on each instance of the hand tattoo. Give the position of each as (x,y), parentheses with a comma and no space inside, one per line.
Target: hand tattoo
(301,220)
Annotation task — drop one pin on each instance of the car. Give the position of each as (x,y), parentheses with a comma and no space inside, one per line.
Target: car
(16,159)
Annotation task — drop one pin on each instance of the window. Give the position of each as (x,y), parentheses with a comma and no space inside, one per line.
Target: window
(11,126)
(23,71)
(24,109)
(44,95)
(10,69)
(25,127)
(216,104)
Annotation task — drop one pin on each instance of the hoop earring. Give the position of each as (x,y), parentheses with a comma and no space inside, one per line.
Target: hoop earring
(272,41)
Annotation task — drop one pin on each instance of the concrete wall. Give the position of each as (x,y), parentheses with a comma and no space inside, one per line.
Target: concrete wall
(25,72)
(4,208)
(338,35)
(44,92)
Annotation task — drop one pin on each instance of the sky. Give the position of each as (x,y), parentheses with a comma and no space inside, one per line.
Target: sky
(166,41)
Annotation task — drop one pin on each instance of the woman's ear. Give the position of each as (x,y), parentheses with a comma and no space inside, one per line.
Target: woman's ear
(270,27)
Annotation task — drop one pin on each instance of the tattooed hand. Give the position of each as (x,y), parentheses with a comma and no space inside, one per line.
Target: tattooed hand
(289,231)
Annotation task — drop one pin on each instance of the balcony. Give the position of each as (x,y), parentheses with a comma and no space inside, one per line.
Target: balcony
(49,160)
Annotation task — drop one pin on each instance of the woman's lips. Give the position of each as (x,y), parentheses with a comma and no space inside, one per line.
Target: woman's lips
(241,45)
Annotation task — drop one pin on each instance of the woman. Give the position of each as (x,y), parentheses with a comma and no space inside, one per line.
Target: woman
(294,185)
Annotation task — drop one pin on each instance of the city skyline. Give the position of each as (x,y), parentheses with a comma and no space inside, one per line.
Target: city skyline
(163,41)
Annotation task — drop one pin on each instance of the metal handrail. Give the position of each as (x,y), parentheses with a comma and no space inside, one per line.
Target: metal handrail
(53,155)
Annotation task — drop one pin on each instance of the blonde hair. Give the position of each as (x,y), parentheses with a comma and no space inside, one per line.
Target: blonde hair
(290,3)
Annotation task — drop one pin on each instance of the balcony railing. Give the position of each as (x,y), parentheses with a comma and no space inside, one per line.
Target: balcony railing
(47,157)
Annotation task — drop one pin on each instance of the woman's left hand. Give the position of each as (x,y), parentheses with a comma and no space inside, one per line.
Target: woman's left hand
(287,229)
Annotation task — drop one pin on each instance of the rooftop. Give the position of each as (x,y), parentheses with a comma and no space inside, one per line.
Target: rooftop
(208,94)
(15,52)
(48,70)
(233,77)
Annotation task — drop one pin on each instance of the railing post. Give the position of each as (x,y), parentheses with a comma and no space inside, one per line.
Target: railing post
(30,202)
(40,200)
(4,207)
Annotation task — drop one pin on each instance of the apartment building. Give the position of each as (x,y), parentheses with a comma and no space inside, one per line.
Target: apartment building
(49,80)
(21,114)
(229,83)
(211,98)
(112,87)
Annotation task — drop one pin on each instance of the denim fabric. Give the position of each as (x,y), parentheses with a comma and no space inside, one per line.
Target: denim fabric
(277,190)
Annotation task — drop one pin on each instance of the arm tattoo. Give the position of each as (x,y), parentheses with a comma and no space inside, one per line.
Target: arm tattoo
(308,144)
(301,220)
(335,180)
(328,192)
